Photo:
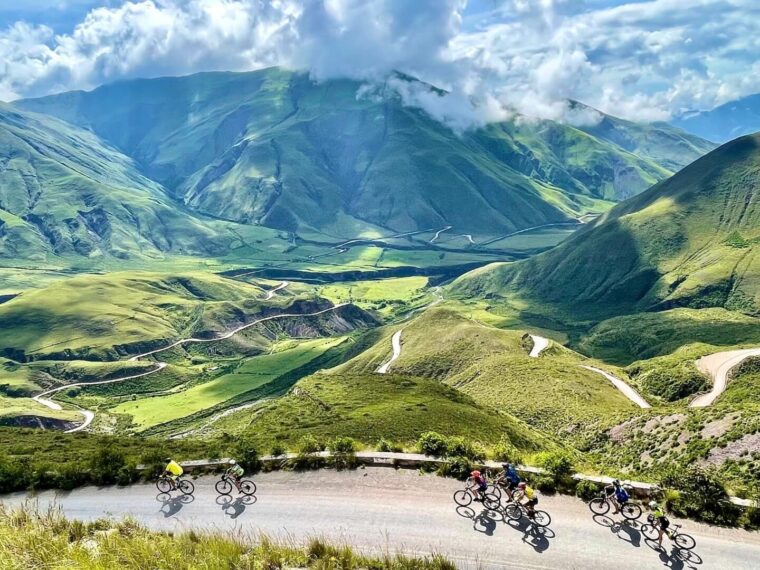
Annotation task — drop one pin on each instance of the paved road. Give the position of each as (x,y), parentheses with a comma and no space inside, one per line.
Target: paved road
(271,293)
(380,510)
(627,391)
(539,345)
(718,366)
(396,345)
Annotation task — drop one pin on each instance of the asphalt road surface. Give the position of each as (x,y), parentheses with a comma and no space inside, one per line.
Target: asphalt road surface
(380,510)
(718,366)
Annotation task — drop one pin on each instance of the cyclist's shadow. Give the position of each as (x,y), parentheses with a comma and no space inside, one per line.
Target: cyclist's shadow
(677,558)
(235,508)
(625,530)
(534,535)
(170,506)
(484,522)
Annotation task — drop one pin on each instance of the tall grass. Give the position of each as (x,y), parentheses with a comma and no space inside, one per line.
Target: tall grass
(32,539)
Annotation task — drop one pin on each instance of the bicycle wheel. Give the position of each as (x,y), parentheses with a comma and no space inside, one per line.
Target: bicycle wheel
(223,487)
(491,502)
(247,487)
(599,506)
(462,498)
(684,541)
(186,487)
(513,512)
(163,485)
(493,490)
(542,518)
(650,532)
(631,511)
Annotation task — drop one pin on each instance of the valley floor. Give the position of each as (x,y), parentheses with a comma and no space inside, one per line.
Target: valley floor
(381,510)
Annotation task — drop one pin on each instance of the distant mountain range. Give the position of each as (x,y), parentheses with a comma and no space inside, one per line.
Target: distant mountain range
(181,164)
(690,241)
(724,123)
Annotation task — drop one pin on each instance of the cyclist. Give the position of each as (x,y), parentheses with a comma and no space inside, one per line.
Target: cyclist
(477,485)
(662,522)
(173,471)
(617,494)
(509,479)
(525,491)
(235,472)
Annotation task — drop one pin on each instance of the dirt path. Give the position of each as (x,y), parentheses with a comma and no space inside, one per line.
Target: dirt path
(718,366)
(89,416)
(271,293)
(627,391)
(539,345)
(396,345)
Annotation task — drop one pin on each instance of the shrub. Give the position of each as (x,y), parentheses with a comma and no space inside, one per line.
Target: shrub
(506,452)
(545,484)
(277,450)
(457,467)
(557,463)
(384,445)
(432,443)
(248,457)
(701,495)
(586,490)
(460,447)
(342,445)
(106,464)
(309,444)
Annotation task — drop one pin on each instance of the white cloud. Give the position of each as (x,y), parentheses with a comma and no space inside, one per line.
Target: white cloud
(641,60)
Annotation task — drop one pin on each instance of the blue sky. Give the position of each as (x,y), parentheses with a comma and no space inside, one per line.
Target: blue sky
(640,59)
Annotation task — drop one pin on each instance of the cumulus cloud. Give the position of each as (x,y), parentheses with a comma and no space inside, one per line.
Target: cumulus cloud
(644,60)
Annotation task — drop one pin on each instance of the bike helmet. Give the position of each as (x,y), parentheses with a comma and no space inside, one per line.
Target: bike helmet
(616,482)
(475,474)
(522,485)
(653,505)
(168,459)
(232,462)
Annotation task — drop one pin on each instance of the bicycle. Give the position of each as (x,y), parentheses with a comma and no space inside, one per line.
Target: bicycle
(225,485)
(166,485)
(516,511)
(464,498)
(601,506)
(681,539)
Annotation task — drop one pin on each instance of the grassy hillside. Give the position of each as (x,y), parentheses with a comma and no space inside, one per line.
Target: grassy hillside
(272,147)
(66,193)
(690,241)
(493,367)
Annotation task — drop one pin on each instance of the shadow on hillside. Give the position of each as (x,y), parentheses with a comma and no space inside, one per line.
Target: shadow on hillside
(171,506)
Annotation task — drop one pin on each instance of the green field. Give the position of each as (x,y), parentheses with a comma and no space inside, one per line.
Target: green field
(248,375)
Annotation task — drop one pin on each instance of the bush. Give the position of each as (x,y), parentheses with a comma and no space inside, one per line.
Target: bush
(557,463)
(106,465)
(277,450)
(309,444)
(432,443)
(384,445)
(545,484)
(506,452)
(701,496)
(248,457)
(460,447)
(457,467)
(342,445)
(586,490)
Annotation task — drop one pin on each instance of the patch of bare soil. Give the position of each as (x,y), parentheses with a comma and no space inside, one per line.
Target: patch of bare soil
(734,450)
(719,427)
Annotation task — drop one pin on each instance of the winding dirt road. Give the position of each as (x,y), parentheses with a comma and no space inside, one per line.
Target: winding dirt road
(539,345)
(379,510)
(718,366)
(627,391)
(89,415)
(271,293)
(396,346)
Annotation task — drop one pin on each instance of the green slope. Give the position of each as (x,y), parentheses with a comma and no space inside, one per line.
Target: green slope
(272,147)
(690,241)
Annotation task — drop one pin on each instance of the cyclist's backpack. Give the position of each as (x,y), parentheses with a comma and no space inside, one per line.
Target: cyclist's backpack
(621,495)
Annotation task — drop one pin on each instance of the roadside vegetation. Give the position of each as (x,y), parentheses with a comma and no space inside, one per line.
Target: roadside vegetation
(30,539)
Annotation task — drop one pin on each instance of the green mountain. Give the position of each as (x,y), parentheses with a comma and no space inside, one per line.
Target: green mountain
(726,122)
(64,192)
(274,148)
(690,241)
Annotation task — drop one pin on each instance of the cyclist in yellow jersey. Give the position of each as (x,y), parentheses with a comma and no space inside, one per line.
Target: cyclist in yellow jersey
(529,494)
(173,470)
